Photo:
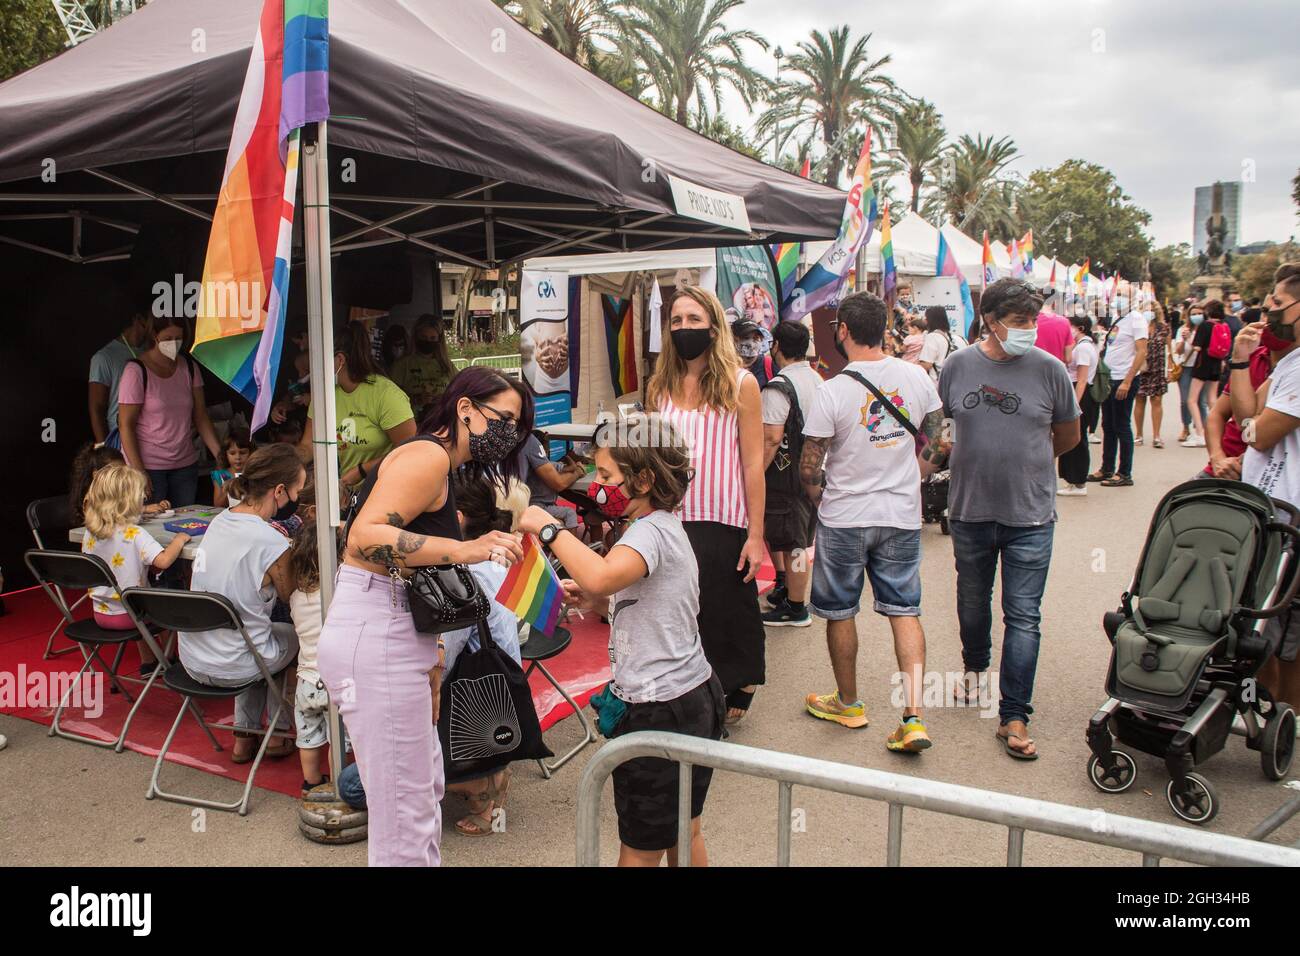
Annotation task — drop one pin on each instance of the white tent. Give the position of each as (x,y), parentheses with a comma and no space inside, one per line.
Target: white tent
(656,261)
(969,253)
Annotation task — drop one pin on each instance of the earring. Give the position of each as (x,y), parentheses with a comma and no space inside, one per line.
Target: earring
(465,419)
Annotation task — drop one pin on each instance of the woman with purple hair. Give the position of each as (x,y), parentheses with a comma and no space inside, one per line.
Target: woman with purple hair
(382,673)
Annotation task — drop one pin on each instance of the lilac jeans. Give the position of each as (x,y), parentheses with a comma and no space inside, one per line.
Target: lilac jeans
(376,667)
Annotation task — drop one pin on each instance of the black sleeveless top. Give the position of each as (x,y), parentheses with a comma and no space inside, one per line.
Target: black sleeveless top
(435,524)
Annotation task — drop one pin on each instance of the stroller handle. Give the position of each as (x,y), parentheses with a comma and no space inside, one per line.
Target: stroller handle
(1293,513)
(1294,584)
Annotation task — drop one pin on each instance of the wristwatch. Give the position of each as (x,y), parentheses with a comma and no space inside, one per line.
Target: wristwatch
(547,534)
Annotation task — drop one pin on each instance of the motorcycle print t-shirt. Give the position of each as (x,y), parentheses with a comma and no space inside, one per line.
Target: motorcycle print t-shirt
(1002,415)
(872,478)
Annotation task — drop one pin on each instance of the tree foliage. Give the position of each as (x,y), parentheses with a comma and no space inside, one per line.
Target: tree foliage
(30,33)
(1254,274)
(1080,211)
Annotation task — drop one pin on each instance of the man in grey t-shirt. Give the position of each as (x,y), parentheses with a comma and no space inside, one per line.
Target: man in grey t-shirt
(1013,411)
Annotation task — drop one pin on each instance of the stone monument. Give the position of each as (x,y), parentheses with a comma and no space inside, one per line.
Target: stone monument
(1214,276)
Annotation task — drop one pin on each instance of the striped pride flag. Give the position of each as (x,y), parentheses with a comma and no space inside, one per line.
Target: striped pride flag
(531,591)
(988,268)
(239,333)
(1027,250)
(887,257)
(620,339)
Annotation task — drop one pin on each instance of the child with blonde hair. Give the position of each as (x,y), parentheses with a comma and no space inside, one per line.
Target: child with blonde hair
(112,509)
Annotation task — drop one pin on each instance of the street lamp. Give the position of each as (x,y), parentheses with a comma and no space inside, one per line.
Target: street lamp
(776,136)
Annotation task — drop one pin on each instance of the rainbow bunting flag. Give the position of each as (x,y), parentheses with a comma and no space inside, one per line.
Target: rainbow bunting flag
(822,284)
(1017,261)
(619,337)
(945,264)
(887,256)
(240,328)
(531,591)
(1027,250)
(989,269)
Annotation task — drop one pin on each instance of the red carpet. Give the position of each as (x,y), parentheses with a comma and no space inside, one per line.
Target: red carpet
(582,669)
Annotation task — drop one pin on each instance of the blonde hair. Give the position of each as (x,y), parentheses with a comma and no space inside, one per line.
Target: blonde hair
(115,499)
(719,385)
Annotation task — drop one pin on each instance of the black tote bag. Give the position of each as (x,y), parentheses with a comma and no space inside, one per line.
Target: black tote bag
(486,718)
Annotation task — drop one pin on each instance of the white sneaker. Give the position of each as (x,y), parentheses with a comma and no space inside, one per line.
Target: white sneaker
(1094,440)
(1194,441)
(1069,490)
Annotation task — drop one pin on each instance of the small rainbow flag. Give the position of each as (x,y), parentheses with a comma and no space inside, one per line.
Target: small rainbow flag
(619,337)
(531,590)
(989,268)
(887,256)
(1027,250)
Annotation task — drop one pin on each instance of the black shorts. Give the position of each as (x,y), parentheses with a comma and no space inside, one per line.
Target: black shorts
(645,789)
(790,524)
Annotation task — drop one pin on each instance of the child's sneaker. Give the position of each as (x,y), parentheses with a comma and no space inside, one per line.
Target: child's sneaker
(909,737)
(830,707)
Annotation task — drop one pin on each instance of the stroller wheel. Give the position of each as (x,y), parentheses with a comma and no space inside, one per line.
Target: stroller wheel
(1198,803)
(1118,779)
(1277,745)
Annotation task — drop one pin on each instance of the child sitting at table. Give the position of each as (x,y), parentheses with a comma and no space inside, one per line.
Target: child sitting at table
(234,453)
(90,459)
(112,507)
(649,582)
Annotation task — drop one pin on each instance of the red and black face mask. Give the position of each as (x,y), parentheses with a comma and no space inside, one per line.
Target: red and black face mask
(610,499)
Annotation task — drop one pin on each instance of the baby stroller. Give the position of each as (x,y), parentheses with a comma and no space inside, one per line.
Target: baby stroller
(934,499)
(1189,638)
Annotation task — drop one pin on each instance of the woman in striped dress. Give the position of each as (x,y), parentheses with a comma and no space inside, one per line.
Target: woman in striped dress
(700,386)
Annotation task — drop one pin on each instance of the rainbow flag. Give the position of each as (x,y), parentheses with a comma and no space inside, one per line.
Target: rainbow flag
(1017,261)
(1027,250)
(619,335)
(240,328)
(822,284)
(989,268)
(887,256)
(531,591)
(945,264)
(1084,276)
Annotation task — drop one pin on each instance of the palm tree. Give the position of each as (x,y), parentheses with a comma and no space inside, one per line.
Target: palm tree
(971,184)
(688,54)
(570,26)
(837,88)
(919,144)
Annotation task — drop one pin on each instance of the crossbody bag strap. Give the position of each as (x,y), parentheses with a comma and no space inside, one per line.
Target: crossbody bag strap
(889,406)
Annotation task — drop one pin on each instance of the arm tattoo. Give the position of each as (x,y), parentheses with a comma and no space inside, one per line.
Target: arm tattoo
(932,429)
(810,461)
(381,554)
(396,520)
(408,543)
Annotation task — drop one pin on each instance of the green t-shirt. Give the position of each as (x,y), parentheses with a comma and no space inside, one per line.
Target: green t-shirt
(364,416)
(421,378)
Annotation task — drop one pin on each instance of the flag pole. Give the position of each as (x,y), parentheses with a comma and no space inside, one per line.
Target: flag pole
(320,336)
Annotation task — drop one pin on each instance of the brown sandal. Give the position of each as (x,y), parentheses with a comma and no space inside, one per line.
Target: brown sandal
(1019,753)
(481,819)
(275,751)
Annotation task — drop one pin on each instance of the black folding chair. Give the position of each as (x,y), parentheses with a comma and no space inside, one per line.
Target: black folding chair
(204,611)
(541,647)
(71,571)
(54,516)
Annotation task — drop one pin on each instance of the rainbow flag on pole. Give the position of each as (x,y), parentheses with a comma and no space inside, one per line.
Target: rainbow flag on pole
(240,328)
(945,264)
(531,591)
(619,338)
(887,257)
(1027,250)
(1017,261)
(989,268)
(821,285)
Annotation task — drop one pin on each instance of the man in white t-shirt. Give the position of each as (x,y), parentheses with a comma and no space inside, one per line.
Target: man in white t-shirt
(1270,425)
(790,517)
(869,512)
(1125,356)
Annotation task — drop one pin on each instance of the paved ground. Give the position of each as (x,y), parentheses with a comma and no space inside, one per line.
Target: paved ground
(68,804)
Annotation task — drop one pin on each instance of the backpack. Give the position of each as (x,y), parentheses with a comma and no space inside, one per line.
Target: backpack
(1101,385)
(1220,341)
(783,474)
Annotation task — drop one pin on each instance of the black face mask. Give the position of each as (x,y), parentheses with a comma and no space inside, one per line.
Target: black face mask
(1278,328)
(285,511)
(496,441)
(839,347)
(690,343)
(425,347)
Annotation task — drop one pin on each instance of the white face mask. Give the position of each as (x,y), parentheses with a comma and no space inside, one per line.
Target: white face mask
(171,349)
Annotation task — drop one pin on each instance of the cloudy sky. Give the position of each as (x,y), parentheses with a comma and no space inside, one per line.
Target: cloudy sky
(1179,93)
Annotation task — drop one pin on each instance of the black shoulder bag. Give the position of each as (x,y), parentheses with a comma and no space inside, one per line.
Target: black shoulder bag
(921,440)
(782,477)
(486,718)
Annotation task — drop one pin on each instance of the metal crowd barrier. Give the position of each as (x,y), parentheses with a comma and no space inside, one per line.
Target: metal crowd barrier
(1155,841)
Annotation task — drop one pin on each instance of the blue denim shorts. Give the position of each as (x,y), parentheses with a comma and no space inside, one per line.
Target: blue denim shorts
(891,558)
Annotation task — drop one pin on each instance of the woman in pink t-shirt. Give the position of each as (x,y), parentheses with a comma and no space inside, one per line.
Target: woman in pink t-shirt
(160,407)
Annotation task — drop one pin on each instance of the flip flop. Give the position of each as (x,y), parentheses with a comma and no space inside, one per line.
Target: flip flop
(1006,743)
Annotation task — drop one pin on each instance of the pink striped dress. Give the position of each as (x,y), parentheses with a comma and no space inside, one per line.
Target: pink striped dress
(717,493)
